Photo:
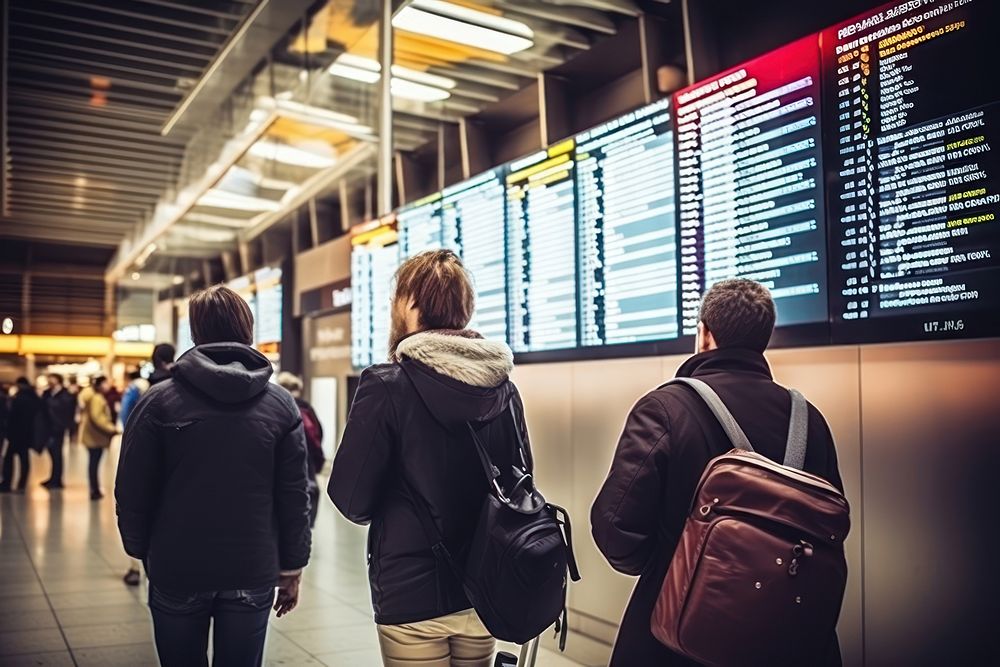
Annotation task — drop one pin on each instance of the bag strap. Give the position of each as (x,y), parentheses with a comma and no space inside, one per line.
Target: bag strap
(798,431)
(733,431)
(798,426)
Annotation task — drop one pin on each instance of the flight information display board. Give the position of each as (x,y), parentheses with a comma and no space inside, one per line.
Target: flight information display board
(374,260)
(541,251)
(627,229)
(269,296)
(912,102)
(420,227)
(472,224)
(750,183)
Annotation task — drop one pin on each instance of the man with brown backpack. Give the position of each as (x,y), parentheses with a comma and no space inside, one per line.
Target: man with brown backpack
(711,606)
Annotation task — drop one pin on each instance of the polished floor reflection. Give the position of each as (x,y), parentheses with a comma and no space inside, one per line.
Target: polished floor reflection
(64,603)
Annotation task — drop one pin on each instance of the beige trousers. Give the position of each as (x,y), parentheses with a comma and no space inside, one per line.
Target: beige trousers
(456,640)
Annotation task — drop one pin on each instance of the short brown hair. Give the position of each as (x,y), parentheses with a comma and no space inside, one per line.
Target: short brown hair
(220,315)
(440,288)
(739,313)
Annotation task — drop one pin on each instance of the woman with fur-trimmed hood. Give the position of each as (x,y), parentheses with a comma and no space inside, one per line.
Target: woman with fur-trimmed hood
(407,431)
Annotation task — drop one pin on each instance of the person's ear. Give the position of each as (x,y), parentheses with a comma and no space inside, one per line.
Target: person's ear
(705,340)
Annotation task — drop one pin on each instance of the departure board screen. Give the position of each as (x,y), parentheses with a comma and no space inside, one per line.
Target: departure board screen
(472,223)
(541,251)
(627,229)
(374,260)
(750,183)
(420,227)
(910,92)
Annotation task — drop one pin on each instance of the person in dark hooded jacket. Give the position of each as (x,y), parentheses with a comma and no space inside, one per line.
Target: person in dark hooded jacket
(407,432)
(22,423)
(212,492)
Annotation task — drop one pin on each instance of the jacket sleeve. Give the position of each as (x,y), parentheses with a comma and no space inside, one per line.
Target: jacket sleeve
(99,413)
(137,482)
(624,516)
(291,496)
(362,460)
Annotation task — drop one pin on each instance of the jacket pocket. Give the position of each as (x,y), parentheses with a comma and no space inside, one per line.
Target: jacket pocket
(173,602)
(177,425)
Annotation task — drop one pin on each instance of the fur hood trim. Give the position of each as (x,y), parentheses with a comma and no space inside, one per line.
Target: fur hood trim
(473,361)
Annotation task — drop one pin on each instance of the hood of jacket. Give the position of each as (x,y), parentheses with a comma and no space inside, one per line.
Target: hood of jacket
(160,374)
(227,372)
(460,376)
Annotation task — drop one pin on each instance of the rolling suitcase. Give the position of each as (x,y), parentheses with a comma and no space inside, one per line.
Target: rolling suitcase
(526,658)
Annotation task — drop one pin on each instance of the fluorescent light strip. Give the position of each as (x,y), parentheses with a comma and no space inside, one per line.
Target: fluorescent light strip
(459,31)
(475,17)
(406,83)
(288,154)
(217,198)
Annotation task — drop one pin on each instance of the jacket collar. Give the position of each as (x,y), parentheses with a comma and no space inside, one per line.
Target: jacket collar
(463,356)
(727,360)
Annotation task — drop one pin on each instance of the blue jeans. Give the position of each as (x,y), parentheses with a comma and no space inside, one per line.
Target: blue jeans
(181,622)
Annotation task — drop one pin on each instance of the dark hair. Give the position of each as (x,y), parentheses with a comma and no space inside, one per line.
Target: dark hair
(22,381)
(739,313)
(220,315)
(57,377)
(98,380)
(134,375)
(440,287)
(163,354)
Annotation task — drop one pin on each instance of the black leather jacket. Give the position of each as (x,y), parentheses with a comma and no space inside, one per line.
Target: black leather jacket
(212,484)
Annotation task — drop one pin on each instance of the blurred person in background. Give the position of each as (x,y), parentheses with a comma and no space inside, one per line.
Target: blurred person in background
(21,434)
(136,388)
(4,410)
(314,437)
(74,388)
(60,411)
(114,397)
(212,492)
(97,429)
(163,362)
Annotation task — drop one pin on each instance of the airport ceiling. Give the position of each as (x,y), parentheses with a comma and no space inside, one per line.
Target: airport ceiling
(106,101)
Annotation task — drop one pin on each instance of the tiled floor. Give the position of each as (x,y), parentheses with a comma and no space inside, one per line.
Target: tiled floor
(62,601)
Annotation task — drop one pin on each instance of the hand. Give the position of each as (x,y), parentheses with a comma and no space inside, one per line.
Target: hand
(288,593)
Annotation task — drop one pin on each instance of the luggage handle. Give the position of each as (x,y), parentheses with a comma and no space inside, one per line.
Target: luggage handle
(798,427)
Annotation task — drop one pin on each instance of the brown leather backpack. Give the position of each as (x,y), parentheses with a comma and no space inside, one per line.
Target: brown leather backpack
(759,574)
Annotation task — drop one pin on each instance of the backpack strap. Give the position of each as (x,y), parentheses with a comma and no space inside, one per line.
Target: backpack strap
(798,430)
(733,431)
(798,427)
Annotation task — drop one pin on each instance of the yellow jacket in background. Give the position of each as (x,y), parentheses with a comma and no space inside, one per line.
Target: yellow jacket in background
(96,426)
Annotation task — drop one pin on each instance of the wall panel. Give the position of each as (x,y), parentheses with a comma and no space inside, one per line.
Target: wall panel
(931,419)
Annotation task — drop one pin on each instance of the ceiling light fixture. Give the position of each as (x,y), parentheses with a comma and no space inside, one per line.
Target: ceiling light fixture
(217,198)
(293,155)
(463,25)
(406,83)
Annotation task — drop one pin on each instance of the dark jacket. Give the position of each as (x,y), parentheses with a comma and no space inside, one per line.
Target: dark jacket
(60,410)
(160,374)
(314,436)
(407,429)
(23,419)
(668,440)
(211,487)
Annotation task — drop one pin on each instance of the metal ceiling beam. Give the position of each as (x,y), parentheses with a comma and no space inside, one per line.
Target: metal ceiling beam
(135,165)
(81,202)
(194,69)
(125,175)
(106,68)
(50,209)
(53,270)
(110,93)
(117,82)
(235,18)
(60,140)
(213,67)
(121,27)
(36,173)
(134,114)
(77,237)
(141,46)
(136,152)
(58,121)
(50,178)
(145,16)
